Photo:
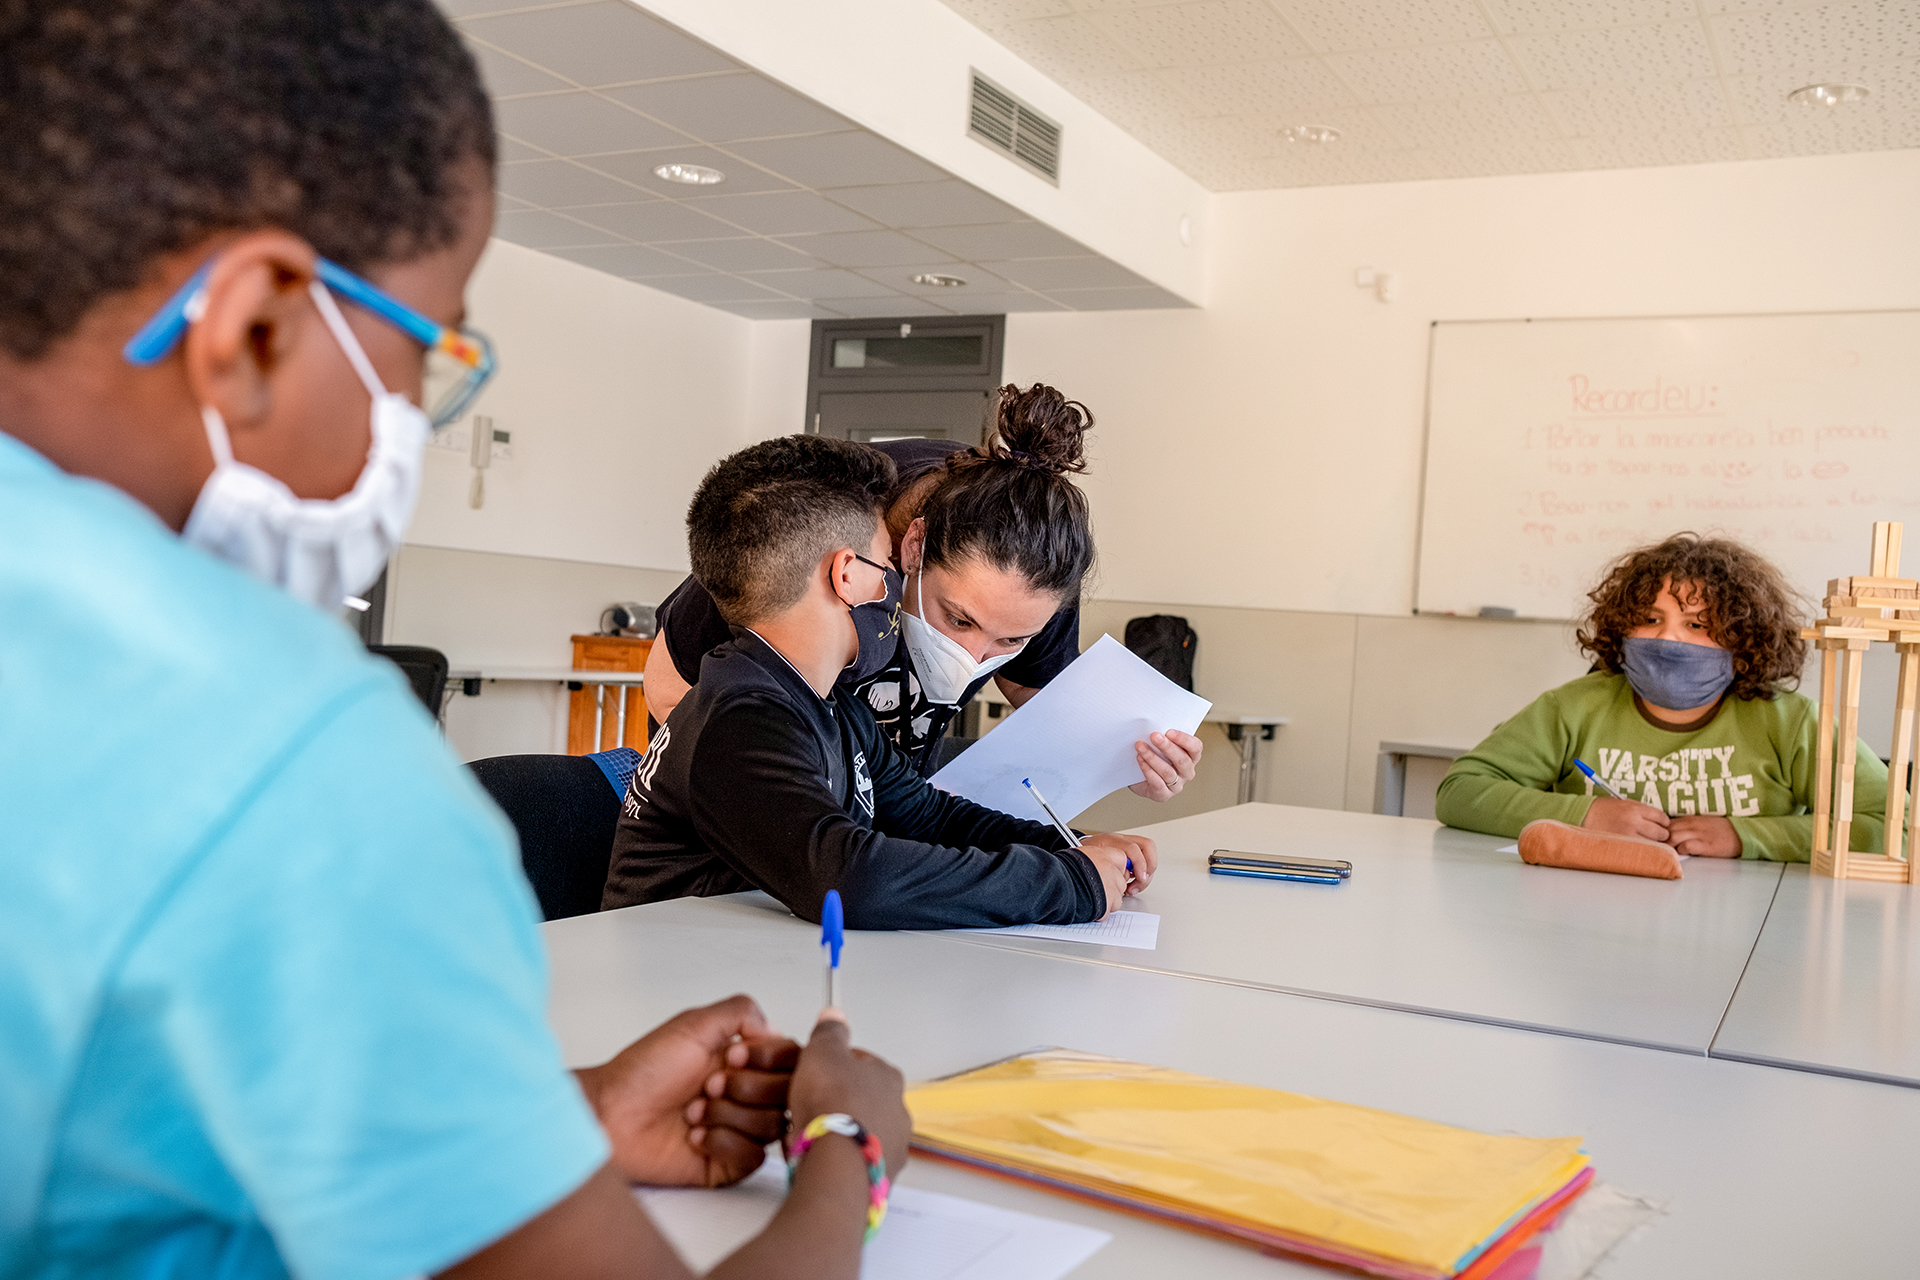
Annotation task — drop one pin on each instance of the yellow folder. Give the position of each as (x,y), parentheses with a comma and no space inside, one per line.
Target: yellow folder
(1369,1186)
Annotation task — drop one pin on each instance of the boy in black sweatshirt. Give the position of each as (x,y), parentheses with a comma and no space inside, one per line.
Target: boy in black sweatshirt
(765,778)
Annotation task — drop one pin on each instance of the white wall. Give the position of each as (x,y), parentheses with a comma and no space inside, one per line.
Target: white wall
(1265,452)
(618,398)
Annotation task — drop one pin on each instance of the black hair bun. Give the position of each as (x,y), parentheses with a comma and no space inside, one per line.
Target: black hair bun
(1040,428)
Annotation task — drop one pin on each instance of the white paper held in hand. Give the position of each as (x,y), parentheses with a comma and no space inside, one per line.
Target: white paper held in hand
(1075,737)
(927,1236)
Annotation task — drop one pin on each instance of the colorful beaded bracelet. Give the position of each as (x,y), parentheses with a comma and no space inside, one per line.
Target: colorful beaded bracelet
(847,1127)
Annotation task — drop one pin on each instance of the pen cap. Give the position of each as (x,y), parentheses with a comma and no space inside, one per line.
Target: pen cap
(832,926)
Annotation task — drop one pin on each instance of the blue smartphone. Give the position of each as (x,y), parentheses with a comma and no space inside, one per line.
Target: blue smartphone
(1227,862)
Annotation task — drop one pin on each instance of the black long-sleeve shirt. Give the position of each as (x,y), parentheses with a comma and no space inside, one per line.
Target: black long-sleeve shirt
(757,782)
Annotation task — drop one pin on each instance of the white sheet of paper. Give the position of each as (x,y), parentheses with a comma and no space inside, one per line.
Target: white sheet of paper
(1075,737)
(927,1236)
(1138,929)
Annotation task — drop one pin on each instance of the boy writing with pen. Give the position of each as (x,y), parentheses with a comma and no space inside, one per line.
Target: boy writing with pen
(765,777)
(1687,733)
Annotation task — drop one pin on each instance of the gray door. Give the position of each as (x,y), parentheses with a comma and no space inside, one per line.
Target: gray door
(930,376)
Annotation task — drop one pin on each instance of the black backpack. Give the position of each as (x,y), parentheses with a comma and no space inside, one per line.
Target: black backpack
(1166,644)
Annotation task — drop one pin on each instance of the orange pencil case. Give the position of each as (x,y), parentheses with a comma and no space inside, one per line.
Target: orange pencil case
(1547,843)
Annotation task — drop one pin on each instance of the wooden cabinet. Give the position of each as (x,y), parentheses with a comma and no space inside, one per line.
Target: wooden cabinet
(601,717)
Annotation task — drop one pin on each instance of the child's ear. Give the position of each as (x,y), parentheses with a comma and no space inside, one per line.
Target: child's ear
(913,543)
(255,307)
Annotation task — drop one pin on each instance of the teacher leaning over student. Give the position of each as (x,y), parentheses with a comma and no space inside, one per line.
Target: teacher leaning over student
(993,543)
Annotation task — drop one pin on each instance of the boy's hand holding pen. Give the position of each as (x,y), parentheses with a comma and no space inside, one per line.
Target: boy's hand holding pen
(1615,815)
(1126,863)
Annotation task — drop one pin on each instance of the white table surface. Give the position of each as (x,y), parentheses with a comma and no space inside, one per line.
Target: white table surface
(1834,984)
(1435,921)
(1764,1172)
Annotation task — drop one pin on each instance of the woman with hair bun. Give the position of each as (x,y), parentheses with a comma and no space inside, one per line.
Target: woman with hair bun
(992,544)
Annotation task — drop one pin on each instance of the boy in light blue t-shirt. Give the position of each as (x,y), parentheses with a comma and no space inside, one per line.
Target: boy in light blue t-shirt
(272,995)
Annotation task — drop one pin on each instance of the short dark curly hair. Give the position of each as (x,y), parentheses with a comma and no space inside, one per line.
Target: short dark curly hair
(763,517)
(1748,607)
(133,128)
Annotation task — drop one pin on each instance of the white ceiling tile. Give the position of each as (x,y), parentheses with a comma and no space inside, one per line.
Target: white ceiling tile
(986,13)
(561,184)
(1335,26)
(1137,299)
(607,43)
(507,150)
(1299,87)
(827,283)
(637,167)
(1049,275)
(875,308)
(506,75)
(712,287)
(1620,56)
(993,242)
(778,310)
(854,159)
(1072,46)
(1528,16)
(994,304)
(579,123)
(1809,42)
(1440,124)
(654,220)
(537,229)
(867,249)
(747,254)
(629,261)
(1477,69)
(927,204)
(1643,150)
(1202,33)
(781,213)
(728,108)
(1614,108)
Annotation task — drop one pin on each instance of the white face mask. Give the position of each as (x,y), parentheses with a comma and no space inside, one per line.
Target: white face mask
(319,551)
(943,667)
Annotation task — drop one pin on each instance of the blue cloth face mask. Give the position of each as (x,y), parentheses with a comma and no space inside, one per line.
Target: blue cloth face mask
(1675,675)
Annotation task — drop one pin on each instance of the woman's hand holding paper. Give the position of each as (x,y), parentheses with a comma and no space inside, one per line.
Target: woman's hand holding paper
(1167,764)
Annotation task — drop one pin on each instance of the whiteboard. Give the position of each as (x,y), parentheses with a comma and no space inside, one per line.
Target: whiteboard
(1553,446)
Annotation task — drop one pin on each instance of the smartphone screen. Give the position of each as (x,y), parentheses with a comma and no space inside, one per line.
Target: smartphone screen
(1230,858)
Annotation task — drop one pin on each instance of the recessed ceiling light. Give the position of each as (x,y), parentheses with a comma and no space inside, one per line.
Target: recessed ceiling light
(694,175)
(1313,133)
(938,281)
(1827,95)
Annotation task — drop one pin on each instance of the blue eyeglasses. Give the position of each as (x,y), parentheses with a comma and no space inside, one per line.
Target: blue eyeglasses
(459,361)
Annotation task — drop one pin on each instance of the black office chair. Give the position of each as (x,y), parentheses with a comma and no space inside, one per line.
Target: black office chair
(565,809)
(426,670)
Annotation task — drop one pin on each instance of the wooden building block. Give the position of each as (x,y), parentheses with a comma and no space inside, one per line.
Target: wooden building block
(1906,700)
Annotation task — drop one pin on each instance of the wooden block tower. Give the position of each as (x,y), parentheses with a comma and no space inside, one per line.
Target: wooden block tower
(1882,607)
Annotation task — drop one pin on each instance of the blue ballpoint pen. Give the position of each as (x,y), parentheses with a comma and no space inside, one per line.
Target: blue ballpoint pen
(832,934)
(1065,831)
(1596,779)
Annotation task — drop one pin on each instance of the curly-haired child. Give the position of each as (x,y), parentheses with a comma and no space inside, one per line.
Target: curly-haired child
(1689,715)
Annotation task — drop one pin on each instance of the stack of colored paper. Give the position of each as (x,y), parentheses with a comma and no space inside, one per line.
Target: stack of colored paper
(1380,1192)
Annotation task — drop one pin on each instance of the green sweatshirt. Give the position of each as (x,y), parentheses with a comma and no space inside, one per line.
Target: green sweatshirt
(1751,763)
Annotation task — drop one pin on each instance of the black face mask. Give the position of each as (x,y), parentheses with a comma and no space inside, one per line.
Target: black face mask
(879,627)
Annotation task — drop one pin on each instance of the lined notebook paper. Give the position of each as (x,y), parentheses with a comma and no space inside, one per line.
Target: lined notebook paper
(1138,929)
(927,1236)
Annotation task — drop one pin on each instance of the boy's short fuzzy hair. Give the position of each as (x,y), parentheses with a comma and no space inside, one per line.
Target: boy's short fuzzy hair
(1748,607)
(130,129)
(763,517)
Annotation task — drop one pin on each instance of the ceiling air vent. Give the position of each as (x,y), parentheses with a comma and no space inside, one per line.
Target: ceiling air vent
(1007,124)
